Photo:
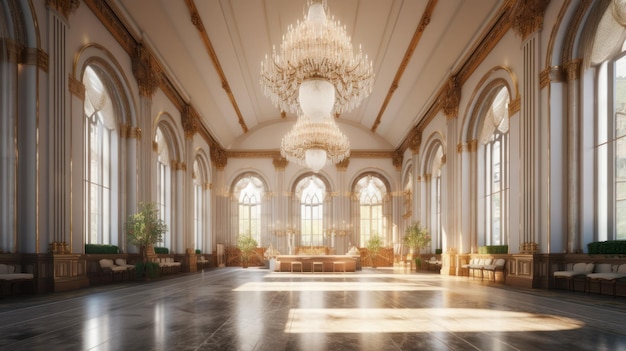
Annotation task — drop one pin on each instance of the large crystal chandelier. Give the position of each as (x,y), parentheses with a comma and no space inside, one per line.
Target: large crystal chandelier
(314,74)
(316,49)
(313,144)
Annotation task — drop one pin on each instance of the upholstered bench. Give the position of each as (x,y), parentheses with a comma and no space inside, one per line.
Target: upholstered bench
(9,277)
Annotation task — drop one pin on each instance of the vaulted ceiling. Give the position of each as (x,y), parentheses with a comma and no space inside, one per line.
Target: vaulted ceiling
(212,50)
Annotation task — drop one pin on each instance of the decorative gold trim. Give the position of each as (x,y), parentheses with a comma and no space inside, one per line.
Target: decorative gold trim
(34,56)
(427,177)
(280,163)
(65,7)
(527,16)
(472,145)
(219,158)
(397,159)
(515,106)
(426,16)
(178,165)
(443,159)
(207,186)
(196,20)
(155,146)
(343,165)
(572,69)
(551,74)
(76,87)
(190,121)
(460,148)
(415,141)
(555,31)
(449,100)
(146,71)
(134,133)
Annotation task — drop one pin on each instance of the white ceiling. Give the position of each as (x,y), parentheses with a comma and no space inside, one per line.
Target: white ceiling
(242,32)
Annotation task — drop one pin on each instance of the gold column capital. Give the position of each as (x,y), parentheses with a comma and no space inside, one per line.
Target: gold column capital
(450,99)
(146,71)
(280,163)
(572,69)
(527,16)
(66,7)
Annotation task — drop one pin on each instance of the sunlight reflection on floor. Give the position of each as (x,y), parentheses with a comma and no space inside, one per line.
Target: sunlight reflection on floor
(335,286)
(418,320)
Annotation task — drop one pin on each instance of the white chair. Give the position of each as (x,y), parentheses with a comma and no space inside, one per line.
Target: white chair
(499,265)
(130,268)
(108,267)
(617,272)
(580,269)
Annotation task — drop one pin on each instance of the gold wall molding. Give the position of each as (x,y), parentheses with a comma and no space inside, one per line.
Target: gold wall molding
(472,145)
(570,41)
(527,16)
(343,165)
(415,141)
(196,20)
(555,32)
(130,132)
(449,100)
(460,148)
(428,12)
(145,70)
(190,121)
(219,158)
(515,106)
(76,87)
(397,159)
(551,74)
(65,7)
(155,146)
(33,56)
(443,159)
(12,49)
(572,69)
(280,163)
(207,186)
(178,165)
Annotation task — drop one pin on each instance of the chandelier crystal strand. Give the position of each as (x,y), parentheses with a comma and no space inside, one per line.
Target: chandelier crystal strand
(316,48)
(307,135)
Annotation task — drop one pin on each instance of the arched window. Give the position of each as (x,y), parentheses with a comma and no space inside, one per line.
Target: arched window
(250,191)
(494,139)
(164,184)
(371,191)
(312,191)
(198,205)
(101,166)
(611,136)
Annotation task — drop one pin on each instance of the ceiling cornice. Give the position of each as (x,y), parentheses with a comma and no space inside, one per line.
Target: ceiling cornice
(405,60)
(196,20)
(119,30)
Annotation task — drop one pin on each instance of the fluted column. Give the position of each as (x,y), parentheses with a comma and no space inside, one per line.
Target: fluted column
(8,155)
(59,132)
(527,20)
(573,150)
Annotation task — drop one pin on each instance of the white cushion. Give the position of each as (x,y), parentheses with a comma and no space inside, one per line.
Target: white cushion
(105,262)
(120,262)
(603,268)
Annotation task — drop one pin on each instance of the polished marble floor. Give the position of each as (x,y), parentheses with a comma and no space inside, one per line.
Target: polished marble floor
(255,309)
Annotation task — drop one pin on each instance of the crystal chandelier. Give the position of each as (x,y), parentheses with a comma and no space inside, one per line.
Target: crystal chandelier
(316,55)
(316,73)
(313,144)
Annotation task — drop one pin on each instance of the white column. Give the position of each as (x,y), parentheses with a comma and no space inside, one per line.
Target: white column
(8,154)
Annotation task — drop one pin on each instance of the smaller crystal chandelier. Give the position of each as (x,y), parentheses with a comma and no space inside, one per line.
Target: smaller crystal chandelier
(312,144)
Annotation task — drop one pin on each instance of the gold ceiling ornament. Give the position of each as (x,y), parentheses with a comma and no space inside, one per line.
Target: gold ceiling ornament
(314,144)
(316,56)
(619,11)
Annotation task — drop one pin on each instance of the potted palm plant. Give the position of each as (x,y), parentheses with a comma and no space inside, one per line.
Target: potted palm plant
(144,229)
(247,246)
(415,238)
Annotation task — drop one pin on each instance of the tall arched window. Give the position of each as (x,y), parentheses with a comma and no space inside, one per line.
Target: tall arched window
(435,205)
(611,136)
(371,191)
(312,191)
(198,205)
(250,191)
(164,184)
(494,139)
(101,167)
